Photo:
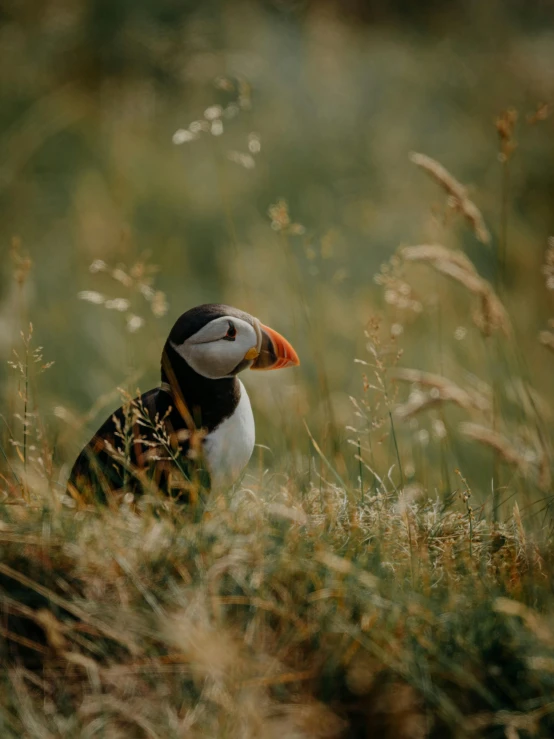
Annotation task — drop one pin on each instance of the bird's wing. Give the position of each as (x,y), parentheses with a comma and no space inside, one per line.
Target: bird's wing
(144,444)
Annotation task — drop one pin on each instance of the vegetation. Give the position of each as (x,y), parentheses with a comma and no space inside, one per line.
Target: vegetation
(384,568)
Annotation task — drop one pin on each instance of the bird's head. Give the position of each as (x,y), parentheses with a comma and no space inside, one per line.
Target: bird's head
(218,341)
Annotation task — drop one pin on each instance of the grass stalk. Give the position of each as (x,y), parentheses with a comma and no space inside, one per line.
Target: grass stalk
(505,127)
(360,471)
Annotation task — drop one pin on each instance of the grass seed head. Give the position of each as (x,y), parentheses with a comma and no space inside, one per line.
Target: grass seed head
(459,199)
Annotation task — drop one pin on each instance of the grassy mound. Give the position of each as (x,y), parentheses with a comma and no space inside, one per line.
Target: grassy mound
(279,613)
(351,587)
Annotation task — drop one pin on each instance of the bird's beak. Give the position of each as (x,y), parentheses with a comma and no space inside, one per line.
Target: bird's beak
(275,352)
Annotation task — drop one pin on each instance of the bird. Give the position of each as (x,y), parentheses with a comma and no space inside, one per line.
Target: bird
(197,427)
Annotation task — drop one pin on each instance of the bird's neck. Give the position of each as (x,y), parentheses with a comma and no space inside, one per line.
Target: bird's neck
(207,401)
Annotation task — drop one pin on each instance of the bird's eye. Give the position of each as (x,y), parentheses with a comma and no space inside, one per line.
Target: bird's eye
(231,332)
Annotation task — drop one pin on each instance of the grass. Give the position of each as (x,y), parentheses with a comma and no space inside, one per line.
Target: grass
(305,615)
(363,594)
(385,566)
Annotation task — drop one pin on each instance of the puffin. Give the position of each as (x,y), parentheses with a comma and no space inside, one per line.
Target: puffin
(196,430)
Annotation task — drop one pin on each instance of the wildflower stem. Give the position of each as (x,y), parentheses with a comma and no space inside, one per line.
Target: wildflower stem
(393,432)
(361,471)
(501,251)
(442,443)
(25,404)
(505,127)
(324,458)
(6,459)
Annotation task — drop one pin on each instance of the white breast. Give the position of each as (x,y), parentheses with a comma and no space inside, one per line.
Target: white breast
(229,446)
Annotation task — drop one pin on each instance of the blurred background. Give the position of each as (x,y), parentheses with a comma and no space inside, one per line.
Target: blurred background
(257,153)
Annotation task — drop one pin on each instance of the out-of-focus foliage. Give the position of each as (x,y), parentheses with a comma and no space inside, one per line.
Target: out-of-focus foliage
(92,93)
(304,613)
(375,181)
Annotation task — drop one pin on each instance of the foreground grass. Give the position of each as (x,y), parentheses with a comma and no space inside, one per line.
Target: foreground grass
(359,594)
(274,612)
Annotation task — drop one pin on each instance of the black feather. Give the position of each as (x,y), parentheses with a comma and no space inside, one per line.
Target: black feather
(146,442)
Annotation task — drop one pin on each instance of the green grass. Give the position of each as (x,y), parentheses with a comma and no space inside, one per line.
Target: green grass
(304,614)
(384,568)
(350,589)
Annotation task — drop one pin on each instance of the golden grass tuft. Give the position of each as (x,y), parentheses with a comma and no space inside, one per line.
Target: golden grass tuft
(495,440)
(457,192)
(441,390)
(341,590)
(357,616)
(490,314)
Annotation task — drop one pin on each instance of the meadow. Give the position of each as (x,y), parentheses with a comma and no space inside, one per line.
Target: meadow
(380,193)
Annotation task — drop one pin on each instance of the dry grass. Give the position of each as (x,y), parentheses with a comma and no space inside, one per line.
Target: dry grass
(341,590)
(459,199)
(490,314)
(325,603)
(278,613)
(440,390)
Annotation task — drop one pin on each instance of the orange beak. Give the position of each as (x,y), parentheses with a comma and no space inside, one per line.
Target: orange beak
(275,352)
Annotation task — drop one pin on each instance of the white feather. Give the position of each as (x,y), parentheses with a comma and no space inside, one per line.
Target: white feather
(209,354)
(230,445)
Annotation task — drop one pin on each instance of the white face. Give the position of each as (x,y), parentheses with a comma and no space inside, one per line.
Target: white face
(219,348)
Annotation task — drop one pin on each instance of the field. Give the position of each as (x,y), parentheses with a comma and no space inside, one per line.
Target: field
(379,190)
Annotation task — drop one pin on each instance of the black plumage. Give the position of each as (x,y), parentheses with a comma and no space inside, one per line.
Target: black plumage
(151,439)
